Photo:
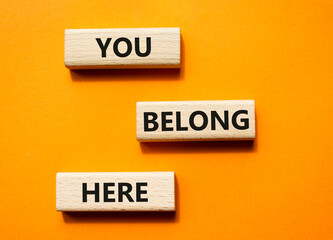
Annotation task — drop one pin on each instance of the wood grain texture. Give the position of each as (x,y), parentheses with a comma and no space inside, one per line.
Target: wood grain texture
(82,50)
(160,191)
(195,120)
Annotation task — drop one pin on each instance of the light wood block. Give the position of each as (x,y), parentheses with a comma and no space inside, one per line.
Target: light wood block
(122,48)
(116,191)
(195,120)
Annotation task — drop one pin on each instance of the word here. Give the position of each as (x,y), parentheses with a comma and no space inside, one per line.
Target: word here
(123,191)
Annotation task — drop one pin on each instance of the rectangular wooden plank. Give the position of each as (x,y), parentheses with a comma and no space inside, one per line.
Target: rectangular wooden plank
(115,191)
(195,120)
(122,48)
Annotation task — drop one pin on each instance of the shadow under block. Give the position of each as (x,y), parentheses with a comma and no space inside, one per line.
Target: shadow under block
(122,48)
(195,120)
(116,191)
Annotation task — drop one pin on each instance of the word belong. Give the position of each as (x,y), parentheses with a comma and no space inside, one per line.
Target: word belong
(151,121)
(195,120)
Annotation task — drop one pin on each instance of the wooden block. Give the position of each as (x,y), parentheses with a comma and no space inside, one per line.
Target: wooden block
(122,191)
(195,120)
(122,48)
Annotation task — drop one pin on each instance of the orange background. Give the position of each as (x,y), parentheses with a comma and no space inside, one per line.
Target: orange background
(54,120)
